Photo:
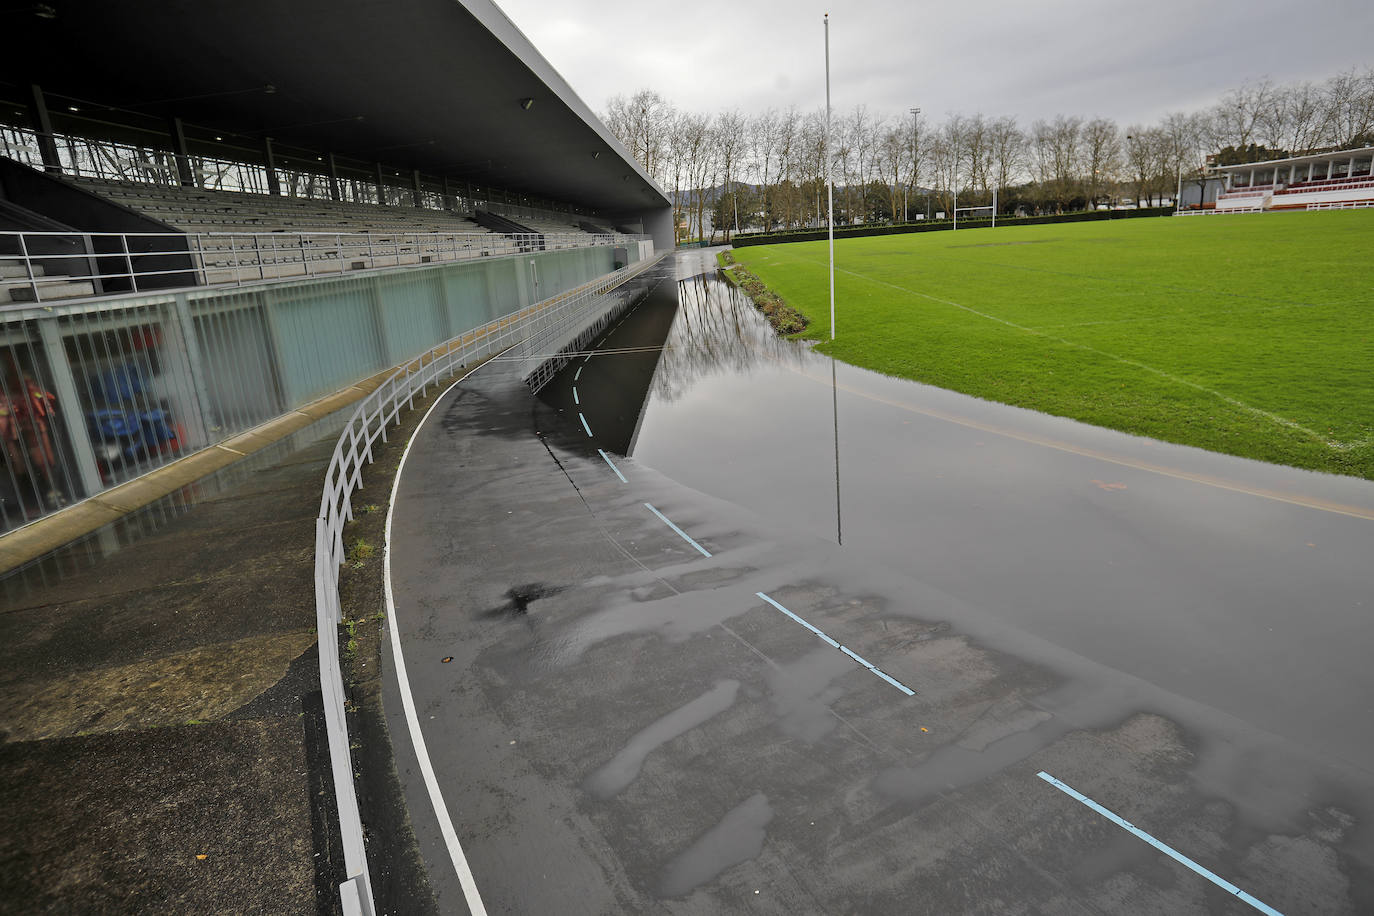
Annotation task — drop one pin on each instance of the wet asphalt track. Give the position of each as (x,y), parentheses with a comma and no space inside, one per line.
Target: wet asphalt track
(625,725)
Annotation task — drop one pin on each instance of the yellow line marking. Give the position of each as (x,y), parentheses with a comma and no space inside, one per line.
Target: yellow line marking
(1307,502)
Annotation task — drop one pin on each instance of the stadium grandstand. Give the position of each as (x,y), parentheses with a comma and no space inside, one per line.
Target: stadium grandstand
(1333,180)
(216,216)
(196,187)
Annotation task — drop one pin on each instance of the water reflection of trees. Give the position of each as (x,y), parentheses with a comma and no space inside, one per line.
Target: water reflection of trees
(717,330)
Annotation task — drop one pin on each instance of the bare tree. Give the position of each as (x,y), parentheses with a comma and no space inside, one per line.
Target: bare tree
(1008,152)
(976,143)
(918,152)
(787,151)
(892,160)
(730,148)
(945,160)
(1142,157)
(697,135)
(1101,157)
(642,124)
(1293,119)
(1349,101)
(1238,118)
(1056,146)
(809,170)
(763,136)
(866,132)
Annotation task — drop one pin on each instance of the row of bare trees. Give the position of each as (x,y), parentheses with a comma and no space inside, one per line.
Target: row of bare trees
(768,171)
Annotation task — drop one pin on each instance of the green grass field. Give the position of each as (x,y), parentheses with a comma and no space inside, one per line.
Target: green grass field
(1251,335)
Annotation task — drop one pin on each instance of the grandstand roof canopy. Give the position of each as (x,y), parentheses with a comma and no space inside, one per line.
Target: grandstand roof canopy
(1328,156)
(430,84)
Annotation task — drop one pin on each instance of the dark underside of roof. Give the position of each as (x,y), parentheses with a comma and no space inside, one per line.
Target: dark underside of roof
(414,84)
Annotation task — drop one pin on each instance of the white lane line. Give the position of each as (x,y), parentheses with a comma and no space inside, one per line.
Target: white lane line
(578,374)
(584,424)
(417,738)
(1167,850)
(575,400)
(845,649)
(682,534)
(607,459)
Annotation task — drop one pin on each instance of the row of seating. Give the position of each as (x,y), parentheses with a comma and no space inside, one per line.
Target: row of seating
(1333,185)
(199,210)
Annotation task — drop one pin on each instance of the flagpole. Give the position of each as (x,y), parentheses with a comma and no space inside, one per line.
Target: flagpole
(830,205)
(829,179)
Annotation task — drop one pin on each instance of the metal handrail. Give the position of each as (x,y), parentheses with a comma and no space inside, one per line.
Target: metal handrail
(368,423)
(241,258)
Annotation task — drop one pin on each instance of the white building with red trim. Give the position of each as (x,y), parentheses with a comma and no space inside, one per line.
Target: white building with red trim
(1321,181)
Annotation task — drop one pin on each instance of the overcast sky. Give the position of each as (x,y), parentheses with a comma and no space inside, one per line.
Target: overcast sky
(1130,61)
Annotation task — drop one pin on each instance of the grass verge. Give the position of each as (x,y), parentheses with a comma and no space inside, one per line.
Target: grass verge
(783,318)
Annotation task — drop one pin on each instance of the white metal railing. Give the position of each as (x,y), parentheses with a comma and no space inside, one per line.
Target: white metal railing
(1341,205)
(54,265)
(368,424)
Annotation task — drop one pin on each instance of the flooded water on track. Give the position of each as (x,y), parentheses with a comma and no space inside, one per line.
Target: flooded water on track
(1189,569)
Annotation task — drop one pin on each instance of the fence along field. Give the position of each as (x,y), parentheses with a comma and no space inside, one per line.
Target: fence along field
(1250,335)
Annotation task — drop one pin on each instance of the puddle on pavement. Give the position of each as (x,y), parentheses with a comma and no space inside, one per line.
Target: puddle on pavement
(737,838)
(622,769)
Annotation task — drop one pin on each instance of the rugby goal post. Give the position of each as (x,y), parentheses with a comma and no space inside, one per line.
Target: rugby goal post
(984,210)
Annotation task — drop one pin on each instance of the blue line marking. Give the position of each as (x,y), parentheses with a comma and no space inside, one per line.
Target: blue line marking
(893,681)
(681,533)
(1167,850)
(575,400)
(584,423)
(578,374)
(858,658)
(613,467)
(845,649)
(832,642)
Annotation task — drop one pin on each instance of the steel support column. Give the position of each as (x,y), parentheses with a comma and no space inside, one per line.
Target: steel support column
(334,179)
(47,144)
(269,160)
(183,155)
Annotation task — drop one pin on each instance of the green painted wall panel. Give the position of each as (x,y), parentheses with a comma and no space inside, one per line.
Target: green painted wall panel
(326,335)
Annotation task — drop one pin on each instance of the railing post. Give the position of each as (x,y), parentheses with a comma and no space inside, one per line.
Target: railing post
(128,261)
(60,371)
(234,259)
(190,347)
(28,268)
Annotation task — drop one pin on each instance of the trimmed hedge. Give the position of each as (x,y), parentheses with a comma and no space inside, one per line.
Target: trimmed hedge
(981,222)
